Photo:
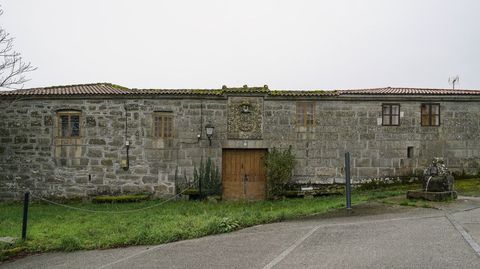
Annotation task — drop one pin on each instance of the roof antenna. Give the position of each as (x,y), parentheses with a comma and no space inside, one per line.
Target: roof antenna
(454,80)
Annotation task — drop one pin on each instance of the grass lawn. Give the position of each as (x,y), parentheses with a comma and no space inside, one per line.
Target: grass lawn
(464,187)
(468,187)
(52,227)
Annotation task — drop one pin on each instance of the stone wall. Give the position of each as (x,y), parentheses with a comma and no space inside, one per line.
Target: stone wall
(32,156)
(377,151)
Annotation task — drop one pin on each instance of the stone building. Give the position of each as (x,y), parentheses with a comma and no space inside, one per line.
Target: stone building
(85,140)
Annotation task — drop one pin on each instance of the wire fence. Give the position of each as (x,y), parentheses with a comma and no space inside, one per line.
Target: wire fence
(32,193)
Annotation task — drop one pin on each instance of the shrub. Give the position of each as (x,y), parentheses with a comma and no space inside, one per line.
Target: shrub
(120,199)
(226,225)
(279,166)
(208,178)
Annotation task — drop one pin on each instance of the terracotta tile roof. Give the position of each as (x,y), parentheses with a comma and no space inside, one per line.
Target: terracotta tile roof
(246,89)
(80,89)
(223,90)
(112,89)
(303,93)
(175,92)
(408,91)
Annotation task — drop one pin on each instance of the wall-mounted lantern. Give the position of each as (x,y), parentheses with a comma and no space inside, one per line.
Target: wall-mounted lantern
(209,130)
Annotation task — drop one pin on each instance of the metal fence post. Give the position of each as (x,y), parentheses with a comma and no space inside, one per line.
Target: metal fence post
(25,215)
(348,188)
(200,196)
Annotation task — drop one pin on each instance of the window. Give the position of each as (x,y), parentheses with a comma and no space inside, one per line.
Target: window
(430,114)
(305,112)
(69,124)
(163,125)
(390,114)
(409,152)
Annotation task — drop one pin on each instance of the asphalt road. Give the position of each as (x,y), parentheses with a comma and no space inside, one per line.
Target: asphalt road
(371,236)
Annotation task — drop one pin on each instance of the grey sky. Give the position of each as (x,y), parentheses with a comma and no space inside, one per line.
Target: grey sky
(285,44)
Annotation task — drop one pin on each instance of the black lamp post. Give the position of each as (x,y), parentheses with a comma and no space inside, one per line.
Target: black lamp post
(209,130)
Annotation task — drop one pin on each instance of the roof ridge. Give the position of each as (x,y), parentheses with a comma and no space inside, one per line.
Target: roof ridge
(72,89)
(105,88)
(76,85)
(409,88)
(409,91)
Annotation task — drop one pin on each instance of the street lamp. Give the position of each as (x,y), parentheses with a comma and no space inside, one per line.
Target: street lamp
(209,129)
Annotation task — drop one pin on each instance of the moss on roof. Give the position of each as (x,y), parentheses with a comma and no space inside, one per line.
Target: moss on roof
(105,88)
(208,92)
(302,93)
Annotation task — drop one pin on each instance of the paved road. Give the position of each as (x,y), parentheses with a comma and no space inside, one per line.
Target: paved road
(372,236)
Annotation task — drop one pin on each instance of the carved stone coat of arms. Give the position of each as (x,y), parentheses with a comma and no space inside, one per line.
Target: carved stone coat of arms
(245,117)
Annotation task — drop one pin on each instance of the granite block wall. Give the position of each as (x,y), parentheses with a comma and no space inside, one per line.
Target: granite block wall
(377,151)
(32,156)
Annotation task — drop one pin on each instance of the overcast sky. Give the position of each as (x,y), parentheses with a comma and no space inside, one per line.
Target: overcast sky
(285,44)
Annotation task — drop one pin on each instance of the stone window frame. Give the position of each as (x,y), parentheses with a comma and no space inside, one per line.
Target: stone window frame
(390,114)
(304,121)
(69,114)
(162,132)
(68,149)
(429,115)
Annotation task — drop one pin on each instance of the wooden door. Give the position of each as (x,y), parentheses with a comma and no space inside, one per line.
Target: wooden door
(243,174)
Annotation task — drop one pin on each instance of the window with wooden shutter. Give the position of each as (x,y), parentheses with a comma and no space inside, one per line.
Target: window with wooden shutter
(305,114)
(390,114)
(68,124)
(68,138)
(163,125)
(430,114)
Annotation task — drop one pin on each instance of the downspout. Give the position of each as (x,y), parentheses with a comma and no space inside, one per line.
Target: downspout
(127,143)
(201,120)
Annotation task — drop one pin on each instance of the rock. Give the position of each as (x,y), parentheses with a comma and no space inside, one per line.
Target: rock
(437,183)
(432,196)
(436,177)
(9,240)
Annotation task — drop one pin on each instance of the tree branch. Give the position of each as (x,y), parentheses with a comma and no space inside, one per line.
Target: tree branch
(12,66)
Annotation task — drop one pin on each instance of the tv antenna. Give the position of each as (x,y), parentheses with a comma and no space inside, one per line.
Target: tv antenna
(454,80)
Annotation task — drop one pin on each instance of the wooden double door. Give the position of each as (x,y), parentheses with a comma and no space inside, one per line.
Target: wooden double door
(244,174)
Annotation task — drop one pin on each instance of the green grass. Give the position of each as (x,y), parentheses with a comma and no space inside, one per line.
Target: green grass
(468,187)
(121,199)
(52,227)
(57,228)
(465,187)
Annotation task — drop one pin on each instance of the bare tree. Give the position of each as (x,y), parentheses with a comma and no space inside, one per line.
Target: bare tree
(12,67)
